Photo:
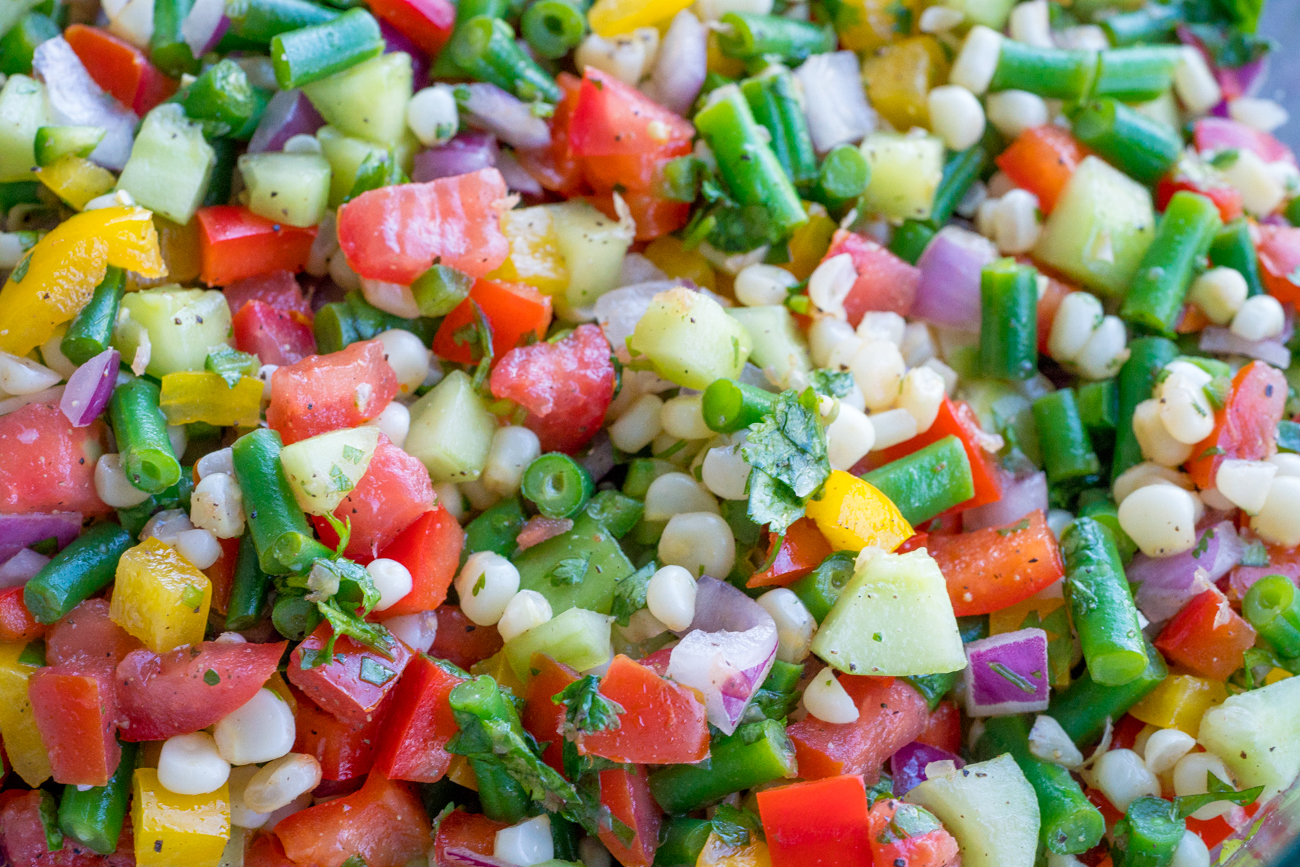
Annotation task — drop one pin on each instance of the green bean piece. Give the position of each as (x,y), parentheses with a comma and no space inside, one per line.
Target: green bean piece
(1083,707)
(1105,512)
(775,104)
(249,588)
(94,816)
(223,172)
(444,65)
(342,323)
(1272,606)
(1147,357)
(496,529)
(911,239)
(1070,823)
(1008,320)
(960,171)
(260,21)
(682,840)
(320,50)
(641,472)
(843,176)
(175,497)
(1067,450)
(1154,22)
(1292,211)
(1155,296)
(91,332)
(757,753)
(18,46)
(20,193)
(1233,248)
(933,687)
(1136,74)
(1098,404)
(1148,834)
(486,50)
(618,512)
(553,28)
(1101,604)
(76,573)
(222,98)
(438,290)
(788,40)
(503,798)
(557,484)
(167,47)
(141,430)
(1052,73)
(928,482)
(1142,148)
(746,161)
(284,539)
(295,617)
(729,406)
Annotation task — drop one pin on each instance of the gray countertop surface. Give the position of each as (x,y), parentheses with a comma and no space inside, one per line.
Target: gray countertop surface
(1281,22)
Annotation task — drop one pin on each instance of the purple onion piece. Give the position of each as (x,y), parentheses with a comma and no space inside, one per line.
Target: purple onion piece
(204,26)
(289,113)
(516,176)
(75,99)
(835,100)
(21,531)
(907,766)
(1007,674)
(599,459)
(1166,584)
(1222,341)
(21,568)
(1020,497)
(458,855)
(681,64)
(467,152)
(949,291)
(395,41)
(90,387)
(489,108)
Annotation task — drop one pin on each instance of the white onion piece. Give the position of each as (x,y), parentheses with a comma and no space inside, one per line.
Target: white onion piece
(76,100)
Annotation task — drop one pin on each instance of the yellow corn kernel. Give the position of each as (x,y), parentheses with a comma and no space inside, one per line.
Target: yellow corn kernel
(76,180)
(160,597)
(196,395)
(717,62)
(899,78)
(535,256)
(676,261)
(22,739)
(173,830)
(609,18)
(852,515)
(460,773)
(1179,702)
(717,853)
(809,242)
(865,25)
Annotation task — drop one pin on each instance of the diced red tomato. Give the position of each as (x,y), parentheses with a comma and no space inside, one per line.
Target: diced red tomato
(345,751)
(383,823)
(1279,261)
(1246,427)
(427,23)
(512,311)
(262,849)
(280,289)
(542,717)
(1042,160)
(87,637)
(1126,732)
(394,234)
(322,393)
(470,832)
(1207,637)
(235,243)
(221,574)
(663,723)
(461,642)
(46,464)
(25,843)
(1222,134)
(430,550)
(276,337)
(418,724)
(626,793)
(555,166)
(16,622)
(943,728)
(120,68)
(653,214)
(822,823)
(891,715)
(161,696)
(566,387)
(1225,196)
(76,715)
(799,550)
(885,282)
(355,682)
(996,567)
(894,847)
(394,492)
(613,119)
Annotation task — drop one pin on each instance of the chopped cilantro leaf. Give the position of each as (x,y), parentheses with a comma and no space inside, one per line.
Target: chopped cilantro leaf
(832,383)
(586,711)
(1216,790)
(230,364)
(211,678)
(630,594)
(568,571)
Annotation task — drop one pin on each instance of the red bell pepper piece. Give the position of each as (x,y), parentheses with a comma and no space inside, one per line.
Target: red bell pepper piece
(355,682)
(822,823)
(1279,259)
(897,843)
(1207,637)
(955,418)
(235,243)
(1042,160)
(884,281)
(76,714)
(383,823)
(322,393)
(276,337)
(345,751)
(512,310)
(418,724)
(16,622)
(120,68)
(662,724)
(626,793)
(427,23)
(653,214)
(1246,427)
(263,849)
(891,715)
(943,728)
(542,717)
(221,574)
(430,550)
(472,832)
(996,567)
(799,550)
(460,642)
(1214,831)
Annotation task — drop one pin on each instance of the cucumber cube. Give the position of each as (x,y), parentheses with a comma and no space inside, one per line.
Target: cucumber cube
(990,13)
(367,100)
(690,339)
(1257,734)
(23,110)
(451,430)
(577,569)
(171,164)
(288,188)
(990,808)
(779,347)
(322,470)
(346,154)
(54,142)
(593,247)
(905,173)
(576,637)
(183,326)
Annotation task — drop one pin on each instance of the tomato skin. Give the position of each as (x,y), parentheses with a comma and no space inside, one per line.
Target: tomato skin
(263,849)
(1207,637)
(955,418)
(120,68)
(664,723)
(943,728)
(1042,160)
(1225,197)
(338,686)
(275,336)
(418,724)
(542,717)
(1279,257)
(473,832)
(16,622)
(555,166)
(279,289)
(461,642)
(76,714)
(46,464)
(235,243)
(802,549)
(345,751)
(566,387)
(383,822)
(822,823)
(884,281)
(430,550)
(892,714)
(996,567)
(162,696)
(320,393)
(626,793)
(512,310)
(394,234)
(427,23)
(1246,427)
(23,835)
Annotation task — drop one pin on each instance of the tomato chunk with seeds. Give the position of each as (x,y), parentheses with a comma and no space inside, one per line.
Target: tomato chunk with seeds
(356,680)
(46,464)
(322,393)
(383,823)
(277,337)
(891,715)
(1246,427)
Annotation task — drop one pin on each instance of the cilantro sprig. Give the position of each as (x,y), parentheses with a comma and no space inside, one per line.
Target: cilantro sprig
(787,451)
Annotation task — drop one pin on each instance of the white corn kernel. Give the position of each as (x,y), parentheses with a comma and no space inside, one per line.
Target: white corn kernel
(622,57)
(1191,775)
(1123,777)
(763,285)
(217,505)
(391,579)
(302,143)
(826,335)
(1148,473)
(198,546)
(394,422)
(831,282)
(882,325)
(682,418)
(1261,191)
(1164,748)
(1287,464)
(1106,350)
(1154,438)
(1219,292)
(956,116)
(702,542)
(240,815)
(849,438)
(408,357)
(417,631)
(922,394)
(113,487)
(1279,520)
(1195,84)
(940,19)
(794,623)
(826,699)
(166,526)
(513,449)
(1031,24)
(1013,111)
(1016,224)
(220,461)
(265,373)
(893,426)
(878,370)
(945,372)
(1259,318)
(978,60)
(1048,742)
(1245,483)
(486,584)
(259,731)
(917,345)
(637,427)
(323,247)
(23,376)
(670,597)
(451,499)
(179,437)
(725,472)
(1161,519)
(1264,115)
(432,115)
(527,610)
(1078,316)
(276,784)
(675,494)
(1184,409)
(526,843)
(1190,851)
(190,765)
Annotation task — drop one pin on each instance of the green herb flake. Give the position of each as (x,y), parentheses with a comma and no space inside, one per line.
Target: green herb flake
(1022,524)
(340,480)
(353,455)
(1019,681)
(1255,554)
(230,364)
(192,597)
(21,271)
(568,571)
(211,678)
(374,673)
(586,711)
(1216,790)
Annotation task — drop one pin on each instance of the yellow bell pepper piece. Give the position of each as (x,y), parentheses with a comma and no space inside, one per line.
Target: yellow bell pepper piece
(195,395)
(160,597)
(1275,675)
(22,739)
(809,242)
(717,62)
(899,78)
(852,515)
(460,773)
(717,853)
(865,25)
(1179,702)
(76,180)
(58,276)
(614,17)
(535,256)
(180,250)
(676,261)
(174,830)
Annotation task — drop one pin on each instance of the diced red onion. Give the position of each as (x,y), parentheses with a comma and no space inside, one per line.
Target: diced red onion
(618,311)
(289,113)
(489,108)
(1020,497)
(835,101)
(1007,674)
(1244,80)
(540,528)
(599,459)
(949,292)
(396,41)
(457,855)
(21,568)
(638,269)
(907,766)
(1222,341)
(1166,584)
(205,25)
(727,652)
(90,387)
(467,152)
(516,176)
(1242,578)
(681,64)
(76,100)
(22,531)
